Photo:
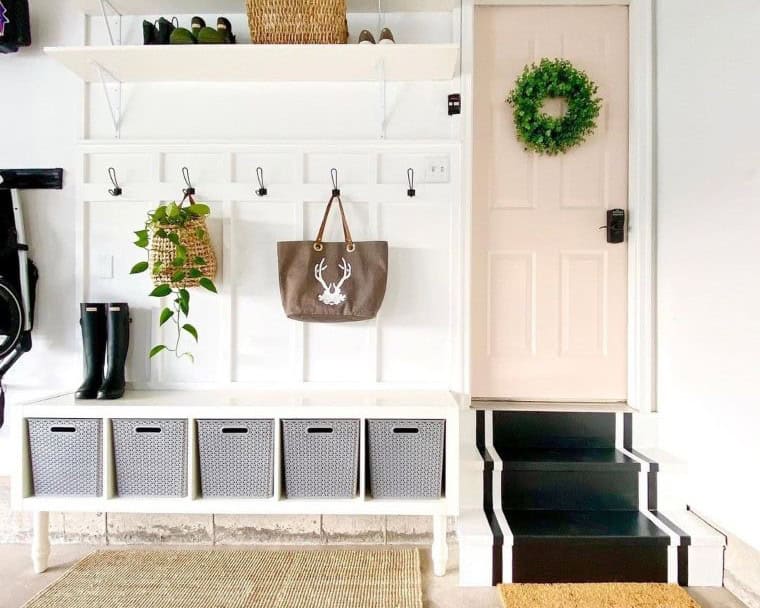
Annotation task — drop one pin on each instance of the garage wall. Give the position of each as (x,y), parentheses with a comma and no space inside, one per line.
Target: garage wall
(708,145)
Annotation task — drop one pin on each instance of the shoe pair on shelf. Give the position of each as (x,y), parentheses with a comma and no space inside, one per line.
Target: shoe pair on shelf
(159,32)
(386,37)
(105,331)
(169,32)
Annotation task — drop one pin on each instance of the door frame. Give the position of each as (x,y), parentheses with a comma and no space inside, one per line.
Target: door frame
(641,388)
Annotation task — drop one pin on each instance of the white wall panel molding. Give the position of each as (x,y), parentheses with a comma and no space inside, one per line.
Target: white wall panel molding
(245,338)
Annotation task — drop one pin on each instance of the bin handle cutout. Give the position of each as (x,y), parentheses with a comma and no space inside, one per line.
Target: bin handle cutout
(406,430)
(233,429)
(62,429)
(148,429)
(319,429)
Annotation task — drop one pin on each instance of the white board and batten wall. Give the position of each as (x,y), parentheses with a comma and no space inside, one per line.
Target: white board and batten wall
(244,335)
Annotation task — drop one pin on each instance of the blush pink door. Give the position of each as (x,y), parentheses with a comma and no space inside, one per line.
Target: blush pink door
(549,293)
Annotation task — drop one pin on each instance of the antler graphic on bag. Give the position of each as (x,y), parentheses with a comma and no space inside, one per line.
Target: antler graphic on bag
(332,295)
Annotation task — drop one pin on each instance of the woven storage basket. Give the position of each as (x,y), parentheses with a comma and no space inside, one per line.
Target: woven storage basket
(164,251)
(297,21)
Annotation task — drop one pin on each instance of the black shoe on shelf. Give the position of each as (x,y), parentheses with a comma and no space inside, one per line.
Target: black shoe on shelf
(224,27)
(165,29)
(118,346)
(150,33)
(94,337)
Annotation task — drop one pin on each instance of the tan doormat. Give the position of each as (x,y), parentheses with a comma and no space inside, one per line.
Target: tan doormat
(244,579)
(596,595)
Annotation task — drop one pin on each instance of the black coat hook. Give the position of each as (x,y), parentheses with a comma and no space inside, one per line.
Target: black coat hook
(410,179)
(116,190)
(334,176)
(189,191)
(262,191)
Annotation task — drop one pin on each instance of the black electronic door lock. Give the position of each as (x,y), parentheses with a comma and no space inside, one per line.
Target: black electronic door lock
(615,225)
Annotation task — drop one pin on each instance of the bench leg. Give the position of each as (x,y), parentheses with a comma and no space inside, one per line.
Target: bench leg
(440,548)
(41,542)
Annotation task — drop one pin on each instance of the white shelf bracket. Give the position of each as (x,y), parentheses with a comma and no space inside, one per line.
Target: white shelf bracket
(383,96)
(115,39)
(112,93)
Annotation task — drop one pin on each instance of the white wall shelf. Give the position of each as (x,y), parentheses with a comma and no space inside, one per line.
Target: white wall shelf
(186,7)
(261,62)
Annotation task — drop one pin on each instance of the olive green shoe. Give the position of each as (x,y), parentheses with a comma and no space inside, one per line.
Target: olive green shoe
(182,35)
(208,35)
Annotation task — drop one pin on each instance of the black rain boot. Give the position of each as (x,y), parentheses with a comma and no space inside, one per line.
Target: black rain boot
(94,333)
(118,345)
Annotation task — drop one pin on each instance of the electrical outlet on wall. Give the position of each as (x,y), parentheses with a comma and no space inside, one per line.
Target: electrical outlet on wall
(437,169)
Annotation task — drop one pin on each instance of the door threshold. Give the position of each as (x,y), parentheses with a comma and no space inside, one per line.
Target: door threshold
(508,405)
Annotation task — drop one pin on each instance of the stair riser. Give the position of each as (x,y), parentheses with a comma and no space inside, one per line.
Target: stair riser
(570,490)
(576,561)
(553,430)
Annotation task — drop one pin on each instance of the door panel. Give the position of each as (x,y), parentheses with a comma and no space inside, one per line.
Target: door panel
(549,293)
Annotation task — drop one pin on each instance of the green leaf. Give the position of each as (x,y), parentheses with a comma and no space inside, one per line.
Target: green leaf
(184,301)
(139,267)
(178,276)
(199,209)
(194,273)
(200,233)
(173,237)
(141,234)
(161,291)
(207,283)
(191,330)
(178,262)
(158,267)
(157,349)
(142,243)
(199,261)
(181,251)
(166,314)
(159,213)
(172,210)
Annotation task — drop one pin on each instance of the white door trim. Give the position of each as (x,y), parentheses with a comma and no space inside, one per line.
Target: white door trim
(641,201)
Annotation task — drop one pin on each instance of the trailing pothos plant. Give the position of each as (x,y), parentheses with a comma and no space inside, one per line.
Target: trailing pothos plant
(177,243)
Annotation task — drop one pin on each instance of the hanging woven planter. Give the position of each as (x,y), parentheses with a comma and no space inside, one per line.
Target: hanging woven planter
(180,255)
(195,247)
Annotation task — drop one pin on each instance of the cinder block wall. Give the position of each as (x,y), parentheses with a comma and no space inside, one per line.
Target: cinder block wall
(132,528)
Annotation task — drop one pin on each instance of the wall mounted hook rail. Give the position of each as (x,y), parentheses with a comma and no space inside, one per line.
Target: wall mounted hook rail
(31,179)
(189,191)
(262,191)
(334,177)
(116,190)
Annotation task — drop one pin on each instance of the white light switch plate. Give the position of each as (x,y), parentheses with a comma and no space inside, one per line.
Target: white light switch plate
(103,266)
(437,169)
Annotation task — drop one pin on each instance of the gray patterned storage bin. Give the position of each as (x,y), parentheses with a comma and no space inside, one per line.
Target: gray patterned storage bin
(406,458)
(67,456)
(151,457)
(236,457)
(321,458)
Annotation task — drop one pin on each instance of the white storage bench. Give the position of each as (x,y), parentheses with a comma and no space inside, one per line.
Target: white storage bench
(175,451)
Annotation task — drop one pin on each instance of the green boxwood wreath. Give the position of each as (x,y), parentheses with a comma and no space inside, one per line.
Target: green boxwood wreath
(554,78)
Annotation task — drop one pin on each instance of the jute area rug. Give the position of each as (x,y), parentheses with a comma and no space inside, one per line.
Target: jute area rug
(239,579)
(596,595)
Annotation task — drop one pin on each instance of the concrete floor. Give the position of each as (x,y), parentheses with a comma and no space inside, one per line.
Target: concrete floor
(19,583)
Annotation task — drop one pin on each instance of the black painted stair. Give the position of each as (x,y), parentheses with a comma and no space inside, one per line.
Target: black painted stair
(571,500)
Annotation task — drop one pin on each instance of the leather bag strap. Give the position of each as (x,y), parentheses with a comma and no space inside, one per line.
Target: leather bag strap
(350,245)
